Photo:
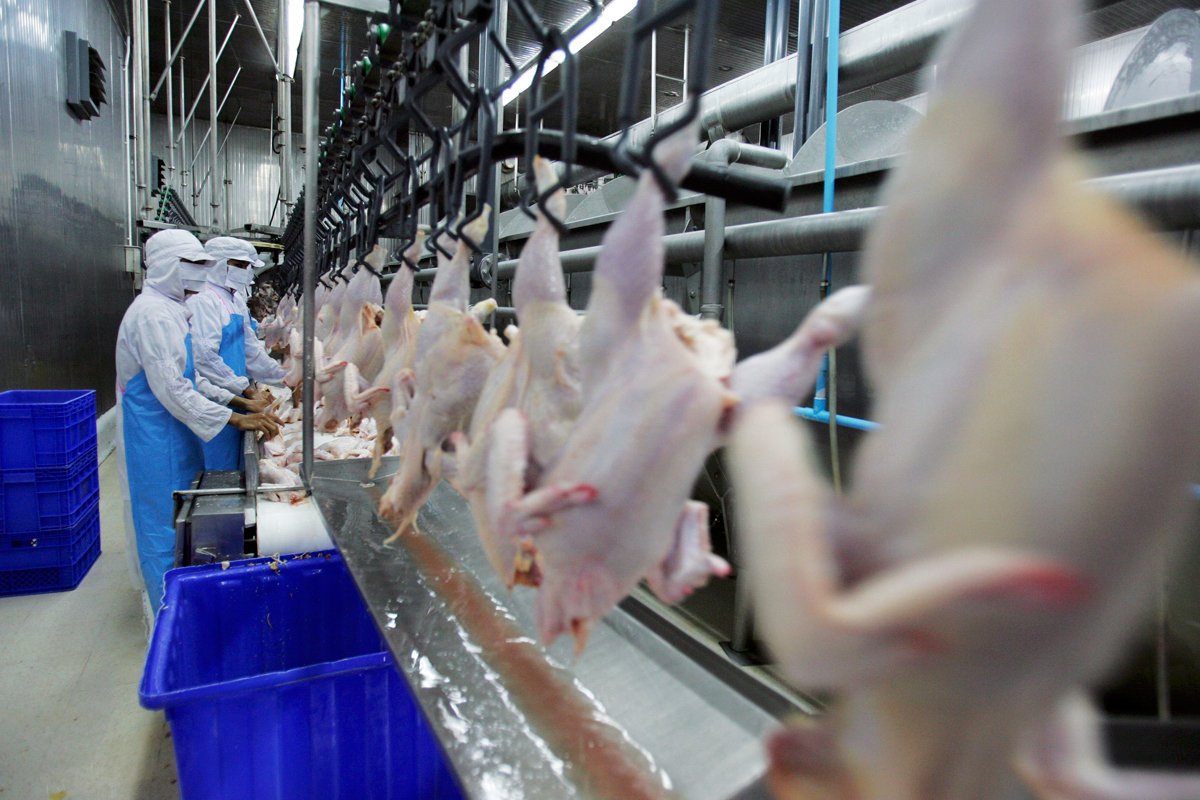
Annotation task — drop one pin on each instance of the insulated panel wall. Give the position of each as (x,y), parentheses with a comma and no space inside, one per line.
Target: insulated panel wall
(62,203)
(253,170)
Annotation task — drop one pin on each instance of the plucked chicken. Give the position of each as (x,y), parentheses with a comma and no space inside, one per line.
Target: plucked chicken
(1027,339)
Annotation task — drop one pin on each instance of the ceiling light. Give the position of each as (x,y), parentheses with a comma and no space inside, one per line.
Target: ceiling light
(295,27)
(612,12)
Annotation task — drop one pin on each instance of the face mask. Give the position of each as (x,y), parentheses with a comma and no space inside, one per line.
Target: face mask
(239,277)
(194,276)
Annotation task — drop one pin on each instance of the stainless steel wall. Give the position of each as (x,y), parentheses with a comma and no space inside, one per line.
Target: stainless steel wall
(253,168)
(62,203)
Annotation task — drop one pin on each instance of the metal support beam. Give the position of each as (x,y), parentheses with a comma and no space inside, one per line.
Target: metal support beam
(135,106)
(263,36)
(312,124)
(220,108)
(654,77)
(170,96)
(212,107)
(284,94)
(183,151)
(174,53)
(147,128)
(220,51)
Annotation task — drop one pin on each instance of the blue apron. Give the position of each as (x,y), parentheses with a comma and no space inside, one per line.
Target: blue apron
(224,451)
(254,325)
(162,456)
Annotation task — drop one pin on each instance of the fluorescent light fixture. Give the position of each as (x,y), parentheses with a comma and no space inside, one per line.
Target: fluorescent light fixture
(612,12)
(295,27)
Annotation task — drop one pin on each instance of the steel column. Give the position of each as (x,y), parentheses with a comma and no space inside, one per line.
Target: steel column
(170,96)
(212,108)
(654,77)
(183,150)
(147,150)
(135,105)
(284,92)
(312,124)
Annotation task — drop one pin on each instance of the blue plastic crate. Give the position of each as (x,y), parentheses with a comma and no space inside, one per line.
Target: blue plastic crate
(49,428)
(48,579)
(54,548)
(48,499)
(277,685)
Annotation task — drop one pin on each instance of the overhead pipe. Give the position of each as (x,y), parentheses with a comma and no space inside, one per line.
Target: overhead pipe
(173,53)
(712,274)
(894,44)
(1169,196)
(775,43)
(805,33)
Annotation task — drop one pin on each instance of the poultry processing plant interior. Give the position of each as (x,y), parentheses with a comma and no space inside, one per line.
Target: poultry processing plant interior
(600,399)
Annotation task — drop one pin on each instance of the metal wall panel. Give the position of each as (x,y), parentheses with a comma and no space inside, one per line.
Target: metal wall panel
(253,170)
(62,203)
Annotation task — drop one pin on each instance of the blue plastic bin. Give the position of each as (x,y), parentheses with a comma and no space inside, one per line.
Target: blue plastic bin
(48,499)
(51,548)
(48,579)
(278,686)
(49,428)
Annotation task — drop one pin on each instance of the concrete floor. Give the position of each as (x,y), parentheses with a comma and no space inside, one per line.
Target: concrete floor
(70,724)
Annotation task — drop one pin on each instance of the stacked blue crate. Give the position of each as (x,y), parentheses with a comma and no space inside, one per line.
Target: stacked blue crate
(49,490)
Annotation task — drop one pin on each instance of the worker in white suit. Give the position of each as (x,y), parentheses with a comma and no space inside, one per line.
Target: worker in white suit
(228,352)
(163,407)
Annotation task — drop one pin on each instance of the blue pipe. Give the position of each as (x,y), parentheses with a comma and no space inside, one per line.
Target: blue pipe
(813,415)
(820,403)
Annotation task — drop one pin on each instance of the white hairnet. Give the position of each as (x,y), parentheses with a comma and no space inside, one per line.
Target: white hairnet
(163,251)
(224,248)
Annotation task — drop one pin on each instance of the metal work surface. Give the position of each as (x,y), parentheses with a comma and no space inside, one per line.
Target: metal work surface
(630,718)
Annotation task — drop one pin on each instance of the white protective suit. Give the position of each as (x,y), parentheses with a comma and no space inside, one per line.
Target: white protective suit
(160,411)
(212,311)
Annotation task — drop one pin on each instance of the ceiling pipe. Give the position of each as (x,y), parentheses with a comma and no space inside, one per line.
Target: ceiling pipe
(888,46)
(1170,197)
(712,273)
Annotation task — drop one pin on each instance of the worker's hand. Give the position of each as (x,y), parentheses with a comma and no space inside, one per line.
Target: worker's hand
(251,393)
(250,405)
(267,424)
